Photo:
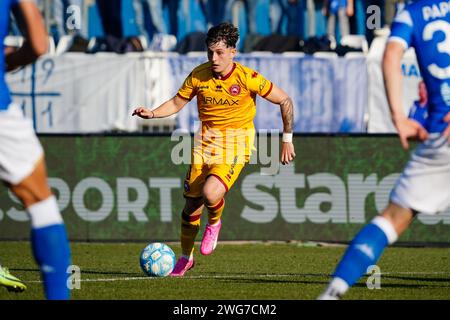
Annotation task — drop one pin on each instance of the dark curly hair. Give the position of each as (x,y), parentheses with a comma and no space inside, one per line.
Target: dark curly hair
(225,32)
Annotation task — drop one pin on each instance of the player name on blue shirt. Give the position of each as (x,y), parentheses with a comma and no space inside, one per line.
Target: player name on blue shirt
(436,10)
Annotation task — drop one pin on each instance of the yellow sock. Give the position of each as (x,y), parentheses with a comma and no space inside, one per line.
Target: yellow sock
(189,229)
(215,212)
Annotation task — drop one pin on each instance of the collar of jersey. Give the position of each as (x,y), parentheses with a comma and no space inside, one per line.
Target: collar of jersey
(225,77)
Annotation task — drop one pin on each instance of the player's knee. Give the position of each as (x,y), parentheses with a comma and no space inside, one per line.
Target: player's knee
(213,191)
(211,196)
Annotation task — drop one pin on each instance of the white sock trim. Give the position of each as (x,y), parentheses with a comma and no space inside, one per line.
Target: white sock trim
(45,213)
(214,224)
(335,289)
(386,227)
(340,285)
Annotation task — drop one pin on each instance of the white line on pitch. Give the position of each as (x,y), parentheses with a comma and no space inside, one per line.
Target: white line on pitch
(226,276)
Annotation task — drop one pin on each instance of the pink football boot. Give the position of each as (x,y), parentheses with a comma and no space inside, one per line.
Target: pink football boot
(210,236)
(183,264)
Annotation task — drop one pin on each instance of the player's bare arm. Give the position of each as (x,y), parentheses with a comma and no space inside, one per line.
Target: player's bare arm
(36,37)
(446,132)
(278,96)
(407,128)
(168,108)
(350,10)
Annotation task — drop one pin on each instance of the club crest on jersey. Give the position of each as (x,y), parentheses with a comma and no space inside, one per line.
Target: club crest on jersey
(235,90)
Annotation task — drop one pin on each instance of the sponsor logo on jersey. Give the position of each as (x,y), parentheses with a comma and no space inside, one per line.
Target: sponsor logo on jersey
(235,90)
(221,101)
(262,84)
(254,74)
(368,251)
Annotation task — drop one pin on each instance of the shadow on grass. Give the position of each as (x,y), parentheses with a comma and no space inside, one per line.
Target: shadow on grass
(251,279)
(270,278)
(425,279)
(270,281)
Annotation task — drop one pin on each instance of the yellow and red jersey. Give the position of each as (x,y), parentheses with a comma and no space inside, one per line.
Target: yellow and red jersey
(227,102)
(226,105)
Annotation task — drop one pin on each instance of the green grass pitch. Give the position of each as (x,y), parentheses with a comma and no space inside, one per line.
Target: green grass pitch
(266,271)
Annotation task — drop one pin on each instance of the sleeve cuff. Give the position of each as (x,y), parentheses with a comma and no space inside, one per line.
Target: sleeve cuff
(270,90)
(399,40)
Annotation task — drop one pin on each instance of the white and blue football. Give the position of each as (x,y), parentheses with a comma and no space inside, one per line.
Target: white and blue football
(157,260)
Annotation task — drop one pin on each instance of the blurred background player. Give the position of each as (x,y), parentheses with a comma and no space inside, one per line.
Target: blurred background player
(226,93)
(419,109)
(22,164)
(340,11)
(424,185)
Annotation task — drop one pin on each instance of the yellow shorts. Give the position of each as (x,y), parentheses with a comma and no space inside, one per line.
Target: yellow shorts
(227,173)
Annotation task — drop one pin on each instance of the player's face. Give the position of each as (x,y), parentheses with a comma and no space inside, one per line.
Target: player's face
(221,57)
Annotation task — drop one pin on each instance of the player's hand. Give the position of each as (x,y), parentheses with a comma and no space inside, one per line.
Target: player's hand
(8,50)
(410,129)
(446,132)
(143,112)
(287,152)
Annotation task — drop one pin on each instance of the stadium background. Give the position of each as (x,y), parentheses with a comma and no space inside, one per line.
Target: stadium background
(113,175)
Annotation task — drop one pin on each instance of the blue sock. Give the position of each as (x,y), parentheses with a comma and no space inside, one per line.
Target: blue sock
(52,253)
(364,251)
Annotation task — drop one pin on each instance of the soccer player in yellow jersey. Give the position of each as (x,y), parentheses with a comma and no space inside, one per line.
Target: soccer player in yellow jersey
(226,94)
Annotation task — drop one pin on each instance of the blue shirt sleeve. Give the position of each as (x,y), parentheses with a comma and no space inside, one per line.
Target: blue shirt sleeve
(402,28)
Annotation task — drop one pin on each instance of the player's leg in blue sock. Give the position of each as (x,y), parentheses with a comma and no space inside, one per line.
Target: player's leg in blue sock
(363,252)
(50,247)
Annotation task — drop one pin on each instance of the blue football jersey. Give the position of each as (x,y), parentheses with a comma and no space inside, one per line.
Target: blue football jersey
(419,113)
(5,6)
(425,26)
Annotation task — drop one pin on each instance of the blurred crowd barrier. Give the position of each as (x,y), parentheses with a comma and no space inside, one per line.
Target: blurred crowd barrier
(81,93)
(84,93)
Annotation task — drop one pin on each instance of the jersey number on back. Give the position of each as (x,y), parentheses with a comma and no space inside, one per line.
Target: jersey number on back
(443,46)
